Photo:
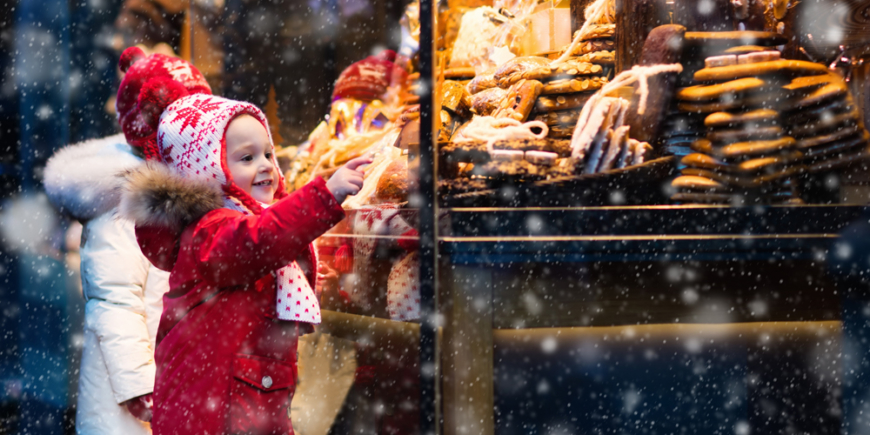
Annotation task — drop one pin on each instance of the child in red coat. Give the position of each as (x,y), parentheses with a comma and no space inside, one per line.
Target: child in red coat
(212,210)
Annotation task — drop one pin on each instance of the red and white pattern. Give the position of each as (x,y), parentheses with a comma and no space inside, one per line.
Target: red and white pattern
(403,288)
(403,294)
(137,114)
(191,142)
(191,134)
(296,299)
(368,221)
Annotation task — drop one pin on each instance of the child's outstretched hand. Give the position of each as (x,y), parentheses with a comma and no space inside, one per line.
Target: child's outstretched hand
(347,180)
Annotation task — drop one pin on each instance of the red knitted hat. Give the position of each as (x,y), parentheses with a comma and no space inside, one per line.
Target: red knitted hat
(150,85)
(369,78)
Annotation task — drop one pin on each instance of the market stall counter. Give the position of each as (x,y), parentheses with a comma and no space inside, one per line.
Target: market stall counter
(667,318)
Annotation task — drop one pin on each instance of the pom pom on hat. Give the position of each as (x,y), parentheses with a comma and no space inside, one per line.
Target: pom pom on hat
(156,95)
(369,78)
(130,56)
(139,109)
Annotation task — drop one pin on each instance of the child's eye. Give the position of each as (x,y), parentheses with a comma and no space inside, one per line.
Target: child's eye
(247,158)
(269,156)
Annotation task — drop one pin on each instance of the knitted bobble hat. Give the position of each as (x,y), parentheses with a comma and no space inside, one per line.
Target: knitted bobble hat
(369,78)
(150,84)
(191,140)
(166,108)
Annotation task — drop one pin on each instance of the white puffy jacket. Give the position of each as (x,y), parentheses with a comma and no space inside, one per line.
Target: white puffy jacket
(124,292)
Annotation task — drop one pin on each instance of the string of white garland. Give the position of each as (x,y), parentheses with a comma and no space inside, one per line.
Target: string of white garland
(638,74)
(491,130)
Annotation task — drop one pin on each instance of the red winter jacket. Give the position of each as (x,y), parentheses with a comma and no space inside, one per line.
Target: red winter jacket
(225,363)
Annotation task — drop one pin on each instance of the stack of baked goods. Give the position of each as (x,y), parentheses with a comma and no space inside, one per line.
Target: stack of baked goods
(825,121)
(455,109)
(489,151)
(681,128)
(562,99)
(561,102)
(747,156)
(526,91)
(603,142)
(528,84)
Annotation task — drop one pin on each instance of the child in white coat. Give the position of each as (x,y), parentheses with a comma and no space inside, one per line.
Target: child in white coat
(123,291)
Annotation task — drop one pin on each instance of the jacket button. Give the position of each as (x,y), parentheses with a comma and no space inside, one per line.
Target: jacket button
(267,381)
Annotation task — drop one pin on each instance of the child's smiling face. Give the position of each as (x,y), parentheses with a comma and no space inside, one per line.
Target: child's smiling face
(249,158)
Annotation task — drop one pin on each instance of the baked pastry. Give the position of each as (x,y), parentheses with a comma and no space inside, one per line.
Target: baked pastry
(486,102)
(393,183)
(520,100)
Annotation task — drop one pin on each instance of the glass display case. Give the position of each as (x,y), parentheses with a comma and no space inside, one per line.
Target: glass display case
(660,249)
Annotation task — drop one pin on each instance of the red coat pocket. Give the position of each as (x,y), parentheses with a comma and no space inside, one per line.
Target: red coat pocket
(260,395)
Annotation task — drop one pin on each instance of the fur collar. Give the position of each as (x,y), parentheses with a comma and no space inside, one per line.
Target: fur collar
(155,196)
(84,179)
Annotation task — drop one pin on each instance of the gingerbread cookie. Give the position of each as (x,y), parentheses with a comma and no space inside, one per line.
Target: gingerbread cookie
(703,161)
(569,86)
(781,67)
(598,57)
(744,181)
(485,102)
(592,46)
(519,100)
(559,132)
(832,91)
(809,83)
(726,90)
(741,150)
(749,101)
(769,163)
(743,49)
(694,182)
(597,31)
(559,102)
(531,68)
(566,118)
(727,119)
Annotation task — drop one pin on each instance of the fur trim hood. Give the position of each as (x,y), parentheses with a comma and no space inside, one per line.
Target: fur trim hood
(85,179)
(154,196)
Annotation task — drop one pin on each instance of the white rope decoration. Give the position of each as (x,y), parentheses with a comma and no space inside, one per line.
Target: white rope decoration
(593,14)
(491,130)
(638,74)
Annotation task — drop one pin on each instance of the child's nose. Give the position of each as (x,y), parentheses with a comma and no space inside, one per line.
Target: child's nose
(265,165)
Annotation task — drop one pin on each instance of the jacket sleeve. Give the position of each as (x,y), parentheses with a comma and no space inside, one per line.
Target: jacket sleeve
(114,273)
(234,249)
